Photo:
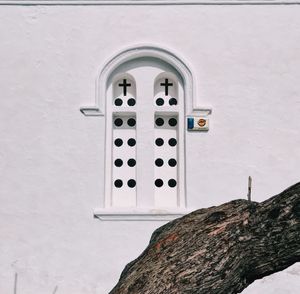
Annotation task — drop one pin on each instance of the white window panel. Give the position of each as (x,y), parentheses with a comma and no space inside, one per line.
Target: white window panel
(165,92)
(166,160)
(124,160)
(124,94)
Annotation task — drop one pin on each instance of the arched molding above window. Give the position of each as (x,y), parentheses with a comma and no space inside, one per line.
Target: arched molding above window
(144,51)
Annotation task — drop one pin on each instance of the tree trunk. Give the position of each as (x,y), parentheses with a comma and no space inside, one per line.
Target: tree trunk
(221,249)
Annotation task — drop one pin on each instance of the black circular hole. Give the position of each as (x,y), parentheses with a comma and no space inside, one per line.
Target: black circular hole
(159,142)
(131,183)
(131,102)
(118,142)
(159,162)
(131,162)
(172,122)
(159,121)
(172,142)
(131,142)
(118,122)
(160,102)
(118,183)
(172,162)
(118,102)
(118,162)
(131,122)
(159,182)
(172,183)
(173,101)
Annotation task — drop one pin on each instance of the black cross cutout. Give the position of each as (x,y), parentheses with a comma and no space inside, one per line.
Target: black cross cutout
(166,84)
(125,85)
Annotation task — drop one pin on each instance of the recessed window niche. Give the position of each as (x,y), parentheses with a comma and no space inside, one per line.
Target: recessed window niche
(143,95)
(145,137)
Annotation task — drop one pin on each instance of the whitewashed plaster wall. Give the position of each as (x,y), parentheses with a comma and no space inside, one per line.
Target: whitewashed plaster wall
(246,65)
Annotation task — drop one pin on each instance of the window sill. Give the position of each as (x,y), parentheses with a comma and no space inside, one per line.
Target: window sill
(136,214)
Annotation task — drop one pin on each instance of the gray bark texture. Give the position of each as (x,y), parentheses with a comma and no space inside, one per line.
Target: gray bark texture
(221,249)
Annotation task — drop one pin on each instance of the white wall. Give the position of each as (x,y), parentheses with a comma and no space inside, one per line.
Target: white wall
(246,65)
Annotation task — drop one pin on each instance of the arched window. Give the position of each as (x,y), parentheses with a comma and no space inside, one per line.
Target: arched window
(169,141)
(121,106)
(144,95)
(145,136)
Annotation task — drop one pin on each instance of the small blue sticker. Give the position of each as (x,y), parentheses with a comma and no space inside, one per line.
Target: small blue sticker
(190,123)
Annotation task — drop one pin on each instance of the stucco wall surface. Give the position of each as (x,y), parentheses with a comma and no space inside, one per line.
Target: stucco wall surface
(245,62)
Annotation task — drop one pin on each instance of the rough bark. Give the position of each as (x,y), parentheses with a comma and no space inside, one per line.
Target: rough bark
(220,249)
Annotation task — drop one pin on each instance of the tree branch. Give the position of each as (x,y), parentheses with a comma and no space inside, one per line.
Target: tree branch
(220,249)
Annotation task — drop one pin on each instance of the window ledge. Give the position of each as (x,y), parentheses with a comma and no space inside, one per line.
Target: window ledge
(91,111)
(136,214)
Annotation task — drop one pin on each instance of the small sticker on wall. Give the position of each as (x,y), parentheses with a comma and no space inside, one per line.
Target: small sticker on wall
(197,124)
